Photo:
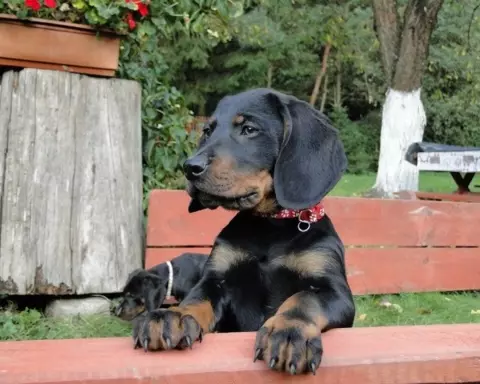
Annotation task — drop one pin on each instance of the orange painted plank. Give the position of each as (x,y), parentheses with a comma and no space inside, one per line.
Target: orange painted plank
(394,355)
(359,221)
(155,256)
(394,270)
(390,270)
(65,45)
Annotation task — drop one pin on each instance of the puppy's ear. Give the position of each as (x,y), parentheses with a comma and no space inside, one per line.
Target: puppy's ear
(312,157)
(154,298)
(195,206)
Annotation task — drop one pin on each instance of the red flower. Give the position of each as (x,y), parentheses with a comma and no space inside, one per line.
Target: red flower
(142,9)
(130,21)
(50,3)
(33,4)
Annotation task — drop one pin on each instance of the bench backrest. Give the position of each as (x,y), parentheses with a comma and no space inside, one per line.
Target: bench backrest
(392,245)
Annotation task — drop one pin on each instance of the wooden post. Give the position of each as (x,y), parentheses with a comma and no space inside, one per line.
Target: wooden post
(70,183)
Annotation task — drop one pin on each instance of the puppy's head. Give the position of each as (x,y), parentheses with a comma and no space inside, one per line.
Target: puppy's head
(143,291)
(262,149)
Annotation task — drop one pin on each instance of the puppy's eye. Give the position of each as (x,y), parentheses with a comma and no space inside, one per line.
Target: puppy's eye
(248,130)
(207,131)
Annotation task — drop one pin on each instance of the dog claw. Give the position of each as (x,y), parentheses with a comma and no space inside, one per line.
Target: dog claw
(200,337)
(189,341)
(293,369)
(168,342)
(145,345)
(273,362)
(258,352)
(136,343)
(312,367)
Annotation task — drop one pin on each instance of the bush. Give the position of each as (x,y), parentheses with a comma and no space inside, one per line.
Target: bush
(153,54)
(355,142)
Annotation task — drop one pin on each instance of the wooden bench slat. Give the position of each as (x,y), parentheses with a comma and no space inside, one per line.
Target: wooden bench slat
(389,270)
(359,221)
(395,355)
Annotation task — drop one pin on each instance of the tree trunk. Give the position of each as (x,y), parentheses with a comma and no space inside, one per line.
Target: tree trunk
(388,32)
(337,100)
(403,116)
(403,122)
(269,76)
(71,186)
(321,72)
(324,95)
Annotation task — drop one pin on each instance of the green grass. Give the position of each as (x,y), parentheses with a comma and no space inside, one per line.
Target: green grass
(404,309)
(418,309)
(33,325)
(356,185)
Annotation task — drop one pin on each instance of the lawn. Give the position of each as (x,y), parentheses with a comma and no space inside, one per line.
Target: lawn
(404,309)
(355,185)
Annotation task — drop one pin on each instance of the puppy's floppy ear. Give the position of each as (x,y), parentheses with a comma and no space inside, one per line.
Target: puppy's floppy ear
(195,206)
(154,298)
(311,159)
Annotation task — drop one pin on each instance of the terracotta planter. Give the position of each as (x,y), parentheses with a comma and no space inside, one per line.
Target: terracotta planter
(46,44)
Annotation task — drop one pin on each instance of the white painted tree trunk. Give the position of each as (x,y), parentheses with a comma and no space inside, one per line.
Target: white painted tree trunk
(403,123)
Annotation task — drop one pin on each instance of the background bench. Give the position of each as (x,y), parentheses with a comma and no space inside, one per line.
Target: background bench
(393,246)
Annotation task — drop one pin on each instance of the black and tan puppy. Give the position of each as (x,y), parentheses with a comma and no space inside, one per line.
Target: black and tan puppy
(146,290)
(278,267)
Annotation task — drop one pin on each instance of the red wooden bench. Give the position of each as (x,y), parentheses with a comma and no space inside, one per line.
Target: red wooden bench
(393,246)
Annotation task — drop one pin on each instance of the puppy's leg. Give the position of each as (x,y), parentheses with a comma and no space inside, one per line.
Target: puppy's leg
(291,339)
(179,327)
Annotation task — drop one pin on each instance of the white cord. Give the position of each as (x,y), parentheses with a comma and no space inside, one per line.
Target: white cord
(170,280)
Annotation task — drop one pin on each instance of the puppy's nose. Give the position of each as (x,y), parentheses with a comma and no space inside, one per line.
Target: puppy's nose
(195,166)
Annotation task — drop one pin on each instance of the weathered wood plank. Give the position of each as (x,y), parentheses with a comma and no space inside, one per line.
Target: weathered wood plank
(5,114)
(394,355)
(72,202)
(467,161)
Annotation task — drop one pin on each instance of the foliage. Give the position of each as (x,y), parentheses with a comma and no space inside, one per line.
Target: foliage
(280,44)
(174,34)
(355,140)
(116,15)
(189,53)
(452,83)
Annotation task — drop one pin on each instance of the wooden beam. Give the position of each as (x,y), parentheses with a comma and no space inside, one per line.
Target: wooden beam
(467,161)
(359,221)
(394,355)
(389,270)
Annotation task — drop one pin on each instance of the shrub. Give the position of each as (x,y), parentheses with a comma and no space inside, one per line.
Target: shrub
(354,140)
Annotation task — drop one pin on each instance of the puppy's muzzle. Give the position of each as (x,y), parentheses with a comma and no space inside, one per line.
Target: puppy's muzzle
(195,167)
(117,310)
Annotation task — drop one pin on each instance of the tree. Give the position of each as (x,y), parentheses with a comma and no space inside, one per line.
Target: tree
(404,51)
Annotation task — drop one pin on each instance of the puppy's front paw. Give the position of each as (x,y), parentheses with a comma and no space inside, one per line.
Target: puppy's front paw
(166,329)
(290,345)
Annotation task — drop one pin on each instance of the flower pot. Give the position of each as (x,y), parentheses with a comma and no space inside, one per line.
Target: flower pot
(62,46)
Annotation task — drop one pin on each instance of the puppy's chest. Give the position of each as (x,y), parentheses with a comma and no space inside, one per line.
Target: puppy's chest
(256,282)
